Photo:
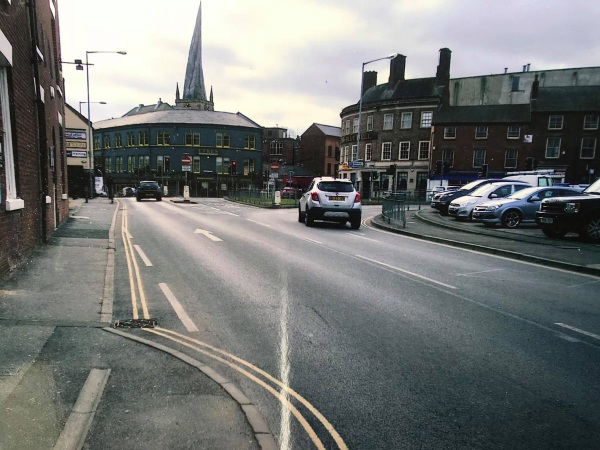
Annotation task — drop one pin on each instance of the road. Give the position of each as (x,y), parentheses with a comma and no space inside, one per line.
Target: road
(363,338)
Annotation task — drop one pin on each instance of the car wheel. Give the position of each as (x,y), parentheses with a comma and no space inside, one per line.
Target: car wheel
(138,199)
(553,233)
(511,219)
(300,215)
(158,199)
(355,224)
(343,223)
(308,220)
(591,229)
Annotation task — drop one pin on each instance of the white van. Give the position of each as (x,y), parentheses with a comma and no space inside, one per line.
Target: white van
(536,178)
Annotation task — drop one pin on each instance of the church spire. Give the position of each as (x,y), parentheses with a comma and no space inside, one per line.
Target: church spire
(194,91)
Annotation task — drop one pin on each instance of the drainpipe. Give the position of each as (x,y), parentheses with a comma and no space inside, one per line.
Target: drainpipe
(41,121)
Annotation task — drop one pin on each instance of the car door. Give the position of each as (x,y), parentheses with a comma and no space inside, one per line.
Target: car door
(532,204)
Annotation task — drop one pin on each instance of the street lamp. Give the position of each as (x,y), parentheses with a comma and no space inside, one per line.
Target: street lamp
(362,81)
(80,103)
(89,123)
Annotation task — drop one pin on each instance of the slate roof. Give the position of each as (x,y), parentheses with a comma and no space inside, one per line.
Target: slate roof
(482,114)
(329,130)
(406,90)
(180,116)
(567,99)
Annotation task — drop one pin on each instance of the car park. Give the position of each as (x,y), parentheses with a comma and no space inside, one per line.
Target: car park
(148,189)
(462,207)
(517,208)
(332,200)
(442,201)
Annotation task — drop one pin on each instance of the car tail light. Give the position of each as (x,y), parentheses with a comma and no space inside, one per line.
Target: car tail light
(314,197)
(357,198)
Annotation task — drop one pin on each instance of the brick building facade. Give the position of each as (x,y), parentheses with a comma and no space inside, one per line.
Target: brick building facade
(33,173)
(320,149)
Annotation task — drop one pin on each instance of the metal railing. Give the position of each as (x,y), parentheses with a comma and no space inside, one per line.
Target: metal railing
(394,208)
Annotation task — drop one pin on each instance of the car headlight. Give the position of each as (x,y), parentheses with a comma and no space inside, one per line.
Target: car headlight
(492,207)
(572,208)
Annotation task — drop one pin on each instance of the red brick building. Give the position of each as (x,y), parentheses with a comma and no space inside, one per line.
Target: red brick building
(320,149)
(33,171)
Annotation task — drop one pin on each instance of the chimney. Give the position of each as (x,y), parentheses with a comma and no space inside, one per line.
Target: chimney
(443,69)
(534,88)
(397,69)
(369,81)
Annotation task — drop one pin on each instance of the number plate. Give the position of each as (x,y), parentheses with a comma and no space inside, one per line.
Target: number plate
(546,220)
(337,198)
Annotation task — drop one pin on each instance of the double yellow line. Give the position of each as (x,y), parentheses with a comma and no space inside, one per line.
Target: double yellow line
(230,360)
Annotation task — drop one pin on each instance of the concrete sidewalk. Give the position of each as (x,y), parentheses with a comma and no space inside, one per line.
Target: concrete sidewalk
(54,313)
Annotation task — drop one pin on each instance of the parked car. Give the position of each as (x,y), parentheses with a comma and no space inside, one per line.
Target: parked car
(290,192)
(462,207)
(128,192)
(442,201)
(580,213)
(438,189)
(519,207)
(148,189)
(330,199)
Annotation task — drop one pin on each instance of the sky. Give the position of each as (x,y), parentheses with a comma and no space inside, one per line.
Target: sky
(292,63)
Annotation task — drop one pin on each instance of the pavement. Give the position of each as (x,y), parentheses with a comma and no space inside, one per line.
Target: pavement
(69,379)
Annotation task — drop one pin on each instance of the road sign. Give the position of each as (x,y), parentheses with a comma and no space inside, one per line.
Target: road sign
(274,166)
(186,160)
(356,164)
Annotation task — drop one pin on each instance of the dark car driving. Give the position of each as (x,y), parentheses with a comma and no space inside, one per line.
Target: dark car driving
(148,189)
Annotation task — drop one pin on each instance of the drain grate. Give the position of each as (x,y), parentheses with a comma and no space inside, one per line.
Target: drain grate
(135,323)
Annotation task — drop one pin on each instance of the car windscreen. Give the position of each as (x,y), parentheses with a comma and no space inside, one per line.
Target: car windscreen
(523,193)
(335,186)
(594,188)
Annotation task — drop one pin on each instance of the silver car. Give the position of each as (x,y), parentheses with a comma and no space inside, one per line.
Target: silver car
(332,200)
(519,207)
(462,207)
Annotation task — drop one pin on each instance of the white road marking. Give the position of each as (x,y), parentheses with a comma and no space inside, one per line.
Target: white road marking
(477,273)
(398,269)
(185,319)
(208,234)
(143,256)
(363,237)
(578,330)
(259,223)
(307,239)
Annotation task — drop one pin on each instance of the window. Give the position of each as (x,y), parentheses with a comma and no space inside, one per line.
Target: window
(130,140)
(130,164)
(106,141)
(13,202)
(224,140)
(449,132)
(346,154)
(329,151)
(402,182)
(404,151)
(552,147)
(588,148)
(368,152)
(370,123)
(426,118)
(328,168)
(107,164)
(163,138)
(513,132)
(481,132)
(347,127)
(192,139)
(510,158)
(196,164)
(355,125)
(515,83)
(143,165)
(423,150)
(448,158)
(160,166)
(386,151)
(143,138)
(478,157)
(555,122)
(406,120)
(275,148)
(250,141)
(354,153)
(388,121)
(118,140)
(590,122)
(118,164)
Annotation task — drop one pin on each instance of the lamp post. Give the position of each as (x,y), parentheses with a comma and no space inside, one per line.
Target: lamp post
(80,103)
(362,81)
(89,123)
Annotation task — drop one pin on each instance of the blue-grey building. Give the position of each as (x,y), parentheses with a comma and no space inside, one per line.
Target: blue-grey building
(188,143)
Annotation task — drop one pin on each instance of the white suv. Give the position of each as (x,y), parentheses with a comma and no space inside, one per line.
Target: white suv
(330,199)
(462,207)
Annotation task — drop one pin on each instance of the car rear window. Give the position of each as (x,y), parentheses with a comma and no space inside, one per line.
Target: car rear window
(151,185)
(335,186)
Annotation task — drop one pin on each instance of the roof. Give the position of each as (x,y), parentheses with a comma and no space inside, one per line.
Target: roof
(405,90)
(180,116)
(567,99)
(482,114)
(329,130)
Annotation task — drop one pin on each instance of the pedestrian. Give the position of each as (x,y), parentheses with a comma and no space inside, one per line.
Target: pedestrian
(110,185)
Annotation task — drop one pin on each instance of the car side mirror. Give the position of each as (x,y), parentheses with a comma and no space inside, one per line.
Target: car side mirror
(493,195)
(535,198)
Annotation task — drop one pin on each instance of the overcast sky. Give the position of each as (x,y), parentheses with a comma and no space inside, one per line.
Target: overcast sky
(291,63)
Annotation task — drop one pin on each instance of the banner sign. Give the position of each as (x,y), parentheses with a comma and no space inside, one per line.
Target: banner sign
(75,154)
(75,134)
(76,144)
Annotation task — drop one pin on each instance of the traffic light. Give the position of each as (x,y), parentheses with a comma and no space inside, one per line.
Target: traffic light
(484,171)
(530,163)
(233,167)
(391,170)
(375,174)
(438,167)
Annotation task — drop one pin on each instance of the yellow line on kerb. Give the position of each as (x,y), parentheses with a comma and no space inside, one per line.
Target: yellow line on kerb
(128,259)
(328,426)
(130,255)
